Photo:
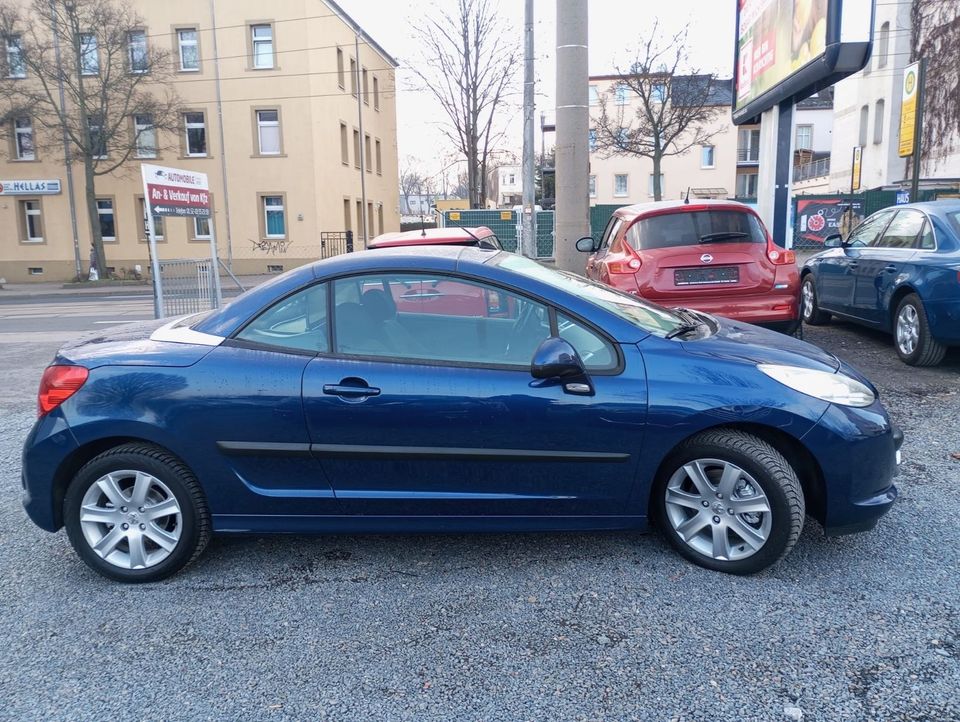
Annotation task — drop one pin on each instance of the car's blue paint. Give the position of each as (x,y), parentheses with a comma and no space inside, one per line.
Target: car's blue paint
(192,398)
(865,284)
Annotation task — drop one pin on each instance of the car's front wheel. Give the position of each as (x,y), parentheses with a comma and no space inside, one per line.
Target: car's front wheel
(136,513)
(808,303)
(729,501)
(911,333)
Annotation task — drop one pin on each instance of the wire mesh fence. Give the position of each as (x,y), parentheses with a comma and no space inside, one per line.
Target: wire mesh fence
(506,224)
(188,286)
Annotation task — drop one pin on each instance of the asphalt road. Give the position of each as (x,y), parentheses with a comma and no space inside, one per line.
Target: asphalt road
(470,627)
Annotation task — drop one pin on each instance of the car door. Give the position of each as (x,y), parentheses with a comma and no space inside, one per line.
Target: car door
(596,263)
(431,409)
(836,282)
(882,262)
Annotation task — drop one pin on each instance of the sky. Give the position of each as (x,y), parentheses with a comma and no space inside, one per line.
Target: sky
(614,29)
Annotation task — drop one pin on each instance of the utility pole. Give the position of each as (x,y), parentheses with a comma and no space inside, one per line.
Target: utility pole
(573,122)
(917,132)
(529,239)
(223,138)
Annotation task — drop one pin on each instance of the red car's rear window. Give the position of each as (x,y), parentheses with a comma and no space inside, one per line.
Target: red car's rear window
(671,230)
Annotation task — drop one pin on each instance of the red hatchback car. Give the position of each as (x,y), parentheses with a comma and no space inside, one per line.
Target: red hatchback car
(712,256)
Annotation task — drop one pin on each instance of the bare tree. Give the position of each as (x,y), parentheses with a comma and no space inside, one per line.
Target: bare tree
(85,70)
(470,62)
(661,107)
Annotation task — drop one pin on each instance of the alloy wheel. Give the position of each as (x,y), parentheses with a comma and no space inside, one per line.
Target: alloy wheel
(718,509)
(808,300)
(908,330)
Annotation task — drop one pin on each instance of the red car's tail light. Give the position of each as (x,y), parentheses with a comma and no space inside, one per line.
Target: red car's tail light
(630,266)
(780,256)
(58,384)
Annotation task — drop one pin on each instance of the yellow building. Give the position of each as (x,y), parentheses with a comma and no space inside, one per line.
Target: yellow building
(273,117)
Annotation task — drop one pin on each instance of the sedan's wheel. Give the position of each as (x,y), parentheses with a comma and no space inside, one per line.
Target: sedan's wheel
(729,501)
(915,345)
(808,303)
(136,514)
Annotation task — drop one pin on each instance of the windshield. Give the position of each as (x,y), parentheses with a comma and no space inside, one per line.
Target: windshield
(657,320)
(670,230)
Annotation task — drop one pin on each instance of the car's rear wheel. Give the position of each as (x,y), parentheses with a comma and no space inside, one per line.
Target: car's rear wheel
(729,501)
(911,334)
(808,303)
(136,513)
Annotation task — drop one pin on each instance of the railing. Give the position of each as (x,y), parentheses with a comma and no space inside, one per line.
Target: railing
(814,169)
(748,155)
(188,286)
(334,243)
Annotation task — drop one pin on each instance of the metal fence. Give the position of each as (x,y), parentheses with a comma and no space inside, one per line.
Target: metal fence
(188,286)
(506,225)
(334,243)
(814,169)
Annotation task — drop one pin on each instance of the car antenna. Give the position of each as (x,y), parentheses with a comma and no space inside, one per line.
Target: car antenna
(686,201)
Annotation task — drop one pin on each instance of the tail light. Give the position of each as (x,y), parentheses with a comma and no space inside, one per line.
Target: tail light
(780,256)
(626,266)
(58,384)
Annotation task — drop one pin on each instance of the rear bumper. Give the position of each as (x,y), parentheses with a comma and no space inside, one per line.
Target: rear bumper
(50,442)
(944,320)
(768,307)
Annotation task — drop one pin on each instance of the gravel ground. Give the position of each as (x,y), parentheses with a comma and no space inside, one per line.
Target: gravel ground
(529,627)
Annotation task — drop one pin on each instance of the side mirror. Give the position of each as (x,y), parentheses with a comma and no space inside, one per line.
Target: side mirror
(834,240)
(586,245)
(557,360)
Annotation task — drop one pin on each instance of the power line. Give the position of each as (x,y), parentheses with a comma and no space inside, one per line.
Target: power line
(212,28)
(257,76)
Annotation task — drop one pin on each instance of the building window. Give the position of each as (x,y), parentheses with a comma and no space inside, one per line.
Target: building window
(137,51)
(35,270)
(346,214)
(376,93)
(884,45)
(368,160)
(864,120)
(592,139)
(108,220)
(195,129)
(658,92)
(274,221)
(89,55)
(878,122)
(157,223)
(366,87)
(201,228)
(379,159)
(512,178)
(592,185)
(188,49)
(145,136)
(23,138)
(620,184)
(708,156)
(268,131)
(747,185)
(356,148)
(16,65)
(261,45)
(594,95)
(380,218)
(340,71)
(344,145)
(650,191)
(804,139)
(360,219)
(32,221)
(98,141)
(369,219)
(620,92)
(353,77)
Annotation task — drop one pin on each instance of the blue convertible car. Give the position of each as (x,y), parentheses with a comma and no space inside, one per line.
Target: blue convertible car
(898,271)
(450,389)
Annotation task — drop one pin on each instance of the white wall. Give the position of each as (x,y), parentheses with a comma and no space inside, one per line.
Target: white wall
(822,121)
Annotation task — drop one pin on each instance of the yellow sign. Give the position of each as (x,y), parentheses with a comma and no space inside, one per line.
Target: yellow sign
(857,166)
(908,109)
(506,215)
(454,215)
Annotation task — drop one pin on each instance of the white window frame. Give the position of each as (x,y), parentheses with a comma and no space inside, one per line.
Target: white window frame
(261,124)
(621,94)
(626,185)
(89,51)
(266,218)
(592,186)
(807,129)
(376,93)
(14,50)
(593,95)
(650,192)
(878,117)
(29,213)
(187,127)
(256,43)
(182,44)
(133,42)
(102,212)
(713,156)
(140,131)
(19,131)
(197,235)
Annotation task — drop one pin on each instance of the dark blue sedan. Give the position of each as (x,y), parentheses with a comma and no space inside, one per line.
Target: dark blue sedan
(898,271)
(450,389)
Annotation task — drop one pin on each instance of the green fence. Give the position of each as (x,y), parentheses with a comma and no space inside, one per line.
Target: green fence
(506,225)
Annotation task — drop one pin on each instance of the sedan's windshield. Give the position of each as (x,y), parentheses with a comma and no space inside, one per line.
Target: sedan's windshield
(657,320)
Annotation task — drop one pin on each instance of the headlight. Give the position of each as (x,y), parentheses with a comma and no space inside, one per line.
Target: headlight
(833,387)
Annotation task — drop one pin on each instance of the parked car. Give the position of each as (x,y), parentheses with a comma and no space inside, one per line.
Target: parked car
(313,404)
(898,271)
(713,256)
(454,236)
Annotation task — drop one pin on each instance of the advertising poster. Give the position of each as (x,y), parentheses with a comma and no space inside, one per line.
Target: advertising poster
(908,108)
(818,218)
(776,38)
(176,192)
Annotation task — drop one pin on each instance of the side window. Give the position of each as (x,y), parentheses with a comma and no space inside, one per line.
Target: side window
(297,322)
(928,241)
(902,231)
(867,232)
(436,318)
(596,353)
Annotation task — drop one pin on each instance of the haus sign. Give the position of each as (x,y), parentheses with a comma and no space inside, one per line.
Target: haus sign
(29,187)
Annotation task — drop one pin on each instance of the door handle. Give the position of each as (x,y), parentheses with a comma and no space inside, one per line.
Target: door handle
(350,391)
(890,269)
(852,264)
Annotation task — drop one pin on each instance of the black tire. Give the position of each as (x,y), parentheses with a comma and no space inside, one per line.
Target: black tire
(194,521)
(928,351)
(769,469)
(787,328)
(810,310)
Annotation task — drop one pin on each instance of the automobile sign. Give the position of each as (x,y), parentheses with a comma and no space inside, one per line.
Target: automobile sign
(176,192)
(29,187)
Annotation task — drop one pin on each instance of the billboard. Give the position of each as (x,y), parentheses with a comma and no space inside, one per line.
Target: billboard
(176,192)
(818,218)
(790,49)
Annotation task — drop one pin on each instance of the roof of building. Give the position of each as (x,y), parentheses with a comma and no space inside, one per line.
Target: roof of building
(819,101)
(361,32)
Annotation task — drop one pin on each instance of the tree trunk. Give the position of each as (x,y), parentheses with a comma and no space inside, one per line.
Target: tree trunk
(96,237)
(657,190)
